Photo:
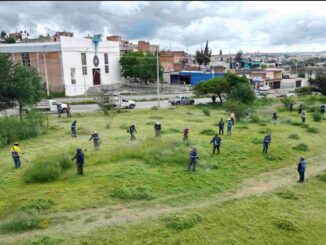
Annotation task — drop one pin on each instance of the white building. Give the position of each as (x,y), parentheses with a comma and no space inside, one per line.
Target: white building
(68,65)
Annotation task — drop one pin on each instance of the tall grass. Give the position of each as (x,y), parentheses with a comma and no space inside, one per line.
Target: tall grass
(13,128)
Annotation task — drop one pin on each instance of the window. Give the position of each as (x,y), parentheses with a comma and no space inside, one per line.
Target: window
(84,63)
(26,60)
(83,59)
(73,75)
(106,63)
(84,68)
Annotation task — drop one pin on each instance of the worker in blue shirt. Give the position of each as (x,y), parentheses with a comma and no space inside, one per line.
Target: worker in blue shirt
(193,156)
(301,169)
(267,140)
(216,143)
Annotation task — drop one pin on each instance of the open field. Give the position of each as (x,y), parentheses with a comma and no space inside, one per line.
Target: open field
(234,198)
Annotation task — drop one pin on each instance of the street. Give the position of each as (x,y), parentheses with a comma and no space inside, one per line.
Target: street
(139,105)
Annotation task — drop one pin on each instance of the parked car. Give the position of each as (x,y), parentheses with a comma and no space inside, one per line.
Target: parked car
(181,100)
(50,105)
(264,88)
(124,103)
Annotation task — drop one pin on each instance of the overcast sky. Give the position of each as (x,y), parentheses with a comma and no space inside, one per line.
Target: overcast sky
(250,26)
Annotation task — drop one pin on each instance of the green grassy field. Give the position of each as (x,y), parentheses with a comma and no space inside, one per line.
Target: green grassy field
(145,182)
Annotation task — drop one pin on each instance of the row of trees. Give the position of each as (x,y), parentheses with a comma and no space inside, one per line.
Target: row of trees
(19,85)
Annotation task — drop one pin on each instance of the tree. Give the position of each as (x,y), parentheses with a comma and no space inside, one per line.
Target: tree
(25,87)
(301,75)
(203,57)
(3,35)
(106,102)
(238,56)
(6,72)
(19,85)
(10,40)
(140,65)
(235,87)
(319,84)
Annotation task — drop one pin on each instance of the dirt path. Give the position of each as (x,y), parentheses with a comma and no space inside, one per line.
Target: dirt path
(67,223)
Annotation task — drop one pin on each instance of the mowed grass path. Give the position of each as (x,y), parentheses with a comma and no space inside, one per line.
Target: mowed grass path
(125,164)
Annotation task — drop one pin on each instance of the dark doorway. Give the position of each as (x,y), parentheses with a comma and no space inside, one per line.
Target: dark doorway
(298,83)
(96,76)
(276,85)
(184,79)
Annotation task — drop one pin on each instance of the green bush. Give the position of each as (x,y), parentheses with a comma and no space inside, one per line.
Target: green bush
(286,224)
(271,157)
(41,172)
(254,118)
(296,123)
(65,162)
(294,136)
(287,101)
(206,112)
(316,115)
(287,195)
(23,221)
(312,130)
(13,129)
(301,147)
(265,131)
(208,131)
(39,204)
(322,177)
(135,193)
(303,90)
(182,221)
(304,125)
(239,108)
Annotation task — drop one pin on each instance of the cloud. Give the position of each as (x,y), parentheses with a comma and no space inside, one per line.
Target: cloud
(251,26)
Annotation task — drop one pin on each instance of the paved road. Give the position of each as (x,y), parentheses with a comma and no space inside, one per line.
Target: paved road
(139,105)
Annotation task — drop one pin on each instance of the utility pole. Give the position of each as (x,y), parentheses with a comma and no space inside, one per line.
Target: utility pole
(158,78)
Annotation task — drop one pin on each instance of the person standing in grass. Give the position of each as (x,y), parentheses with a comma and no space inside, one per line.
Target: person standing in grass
(96,139)
(267,140)
(132,130)
(232,116)
(193,156)
(221,127)
(68,111)
(79,161)
(322,109)
(214,98)
(300,108)
(185,134)
(301,169)
(157,128)
(274,117)
(291,106)
(15,151)
(216,143)
(303,117)
(59,110)
(229,127)
(74,129)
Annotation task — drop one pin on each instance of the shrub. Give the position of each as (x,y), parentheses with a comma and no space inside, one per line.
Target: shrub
(303,90)
(208,131)
(287,195)
(296,123)
(39,204)
(206,112)
(135,193)
(316,115)
(13,128)
(322,177)
(304,125)
(301,147)
(312,130)
(182,221)
(254,118)
(43,171)
(294,136)
(271,157)
(286,224)
(23,221)
(239,108)
(265,131)
(65,162)
(287,101)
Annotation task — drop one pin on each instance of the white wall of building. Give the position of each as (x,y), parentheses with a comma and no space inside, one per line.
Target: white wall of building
(72,48)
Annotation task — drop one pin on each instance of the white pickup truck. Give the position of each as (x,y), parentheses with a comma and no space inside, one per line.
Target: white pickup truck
(50,105)
(123,103)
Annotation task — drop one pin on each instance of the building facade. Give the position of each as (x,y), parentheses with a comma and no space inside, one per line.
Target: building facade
(68,65)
